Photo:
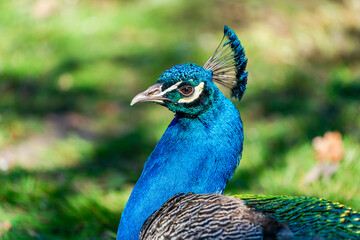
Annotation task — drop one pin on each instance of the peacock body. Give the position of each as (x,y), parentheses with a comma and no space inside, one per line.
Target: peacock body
(178,195)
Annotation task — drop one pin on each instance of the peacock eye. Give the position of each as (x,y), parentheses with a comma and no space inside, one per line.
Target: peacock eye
(186,90)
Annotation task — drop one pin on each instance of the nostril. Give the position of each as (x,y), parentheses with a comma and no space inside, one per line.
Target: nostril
(153,92)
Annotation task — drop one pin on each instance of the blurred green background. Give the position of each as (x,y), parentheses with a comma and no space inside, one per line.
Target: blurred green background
(71,148)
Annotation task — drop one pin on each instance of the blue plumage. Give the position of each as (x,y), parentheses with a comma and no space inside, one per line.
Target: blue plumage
(192,156)
(199,150)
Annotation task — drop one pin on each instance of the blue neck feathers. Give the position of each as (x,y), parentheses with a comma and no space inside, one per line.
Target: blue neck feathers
(194,155)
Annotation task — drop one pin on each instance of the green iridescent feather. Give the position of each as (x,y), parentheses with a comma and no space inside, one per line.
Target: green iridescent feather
(309,217)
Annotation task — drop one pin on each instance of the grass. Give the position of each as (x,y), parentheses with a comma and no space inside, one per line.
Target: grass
(69,69)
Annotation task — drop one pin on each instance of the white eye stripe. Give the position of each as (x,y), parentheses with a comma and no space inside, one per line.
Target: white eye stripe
(198,90)
(171,88)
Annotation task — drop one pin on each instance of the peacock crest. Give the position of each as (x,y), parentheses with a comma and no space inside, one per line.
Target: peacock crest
(228,64)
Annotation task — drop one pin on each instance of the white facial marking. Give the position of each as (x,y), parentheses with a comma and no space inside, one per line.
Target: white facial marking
(198,90)
(171,88)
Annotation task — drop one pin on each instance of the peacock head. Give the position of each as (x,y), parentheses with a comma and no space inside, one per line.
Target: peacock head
(189,89)
(184,89)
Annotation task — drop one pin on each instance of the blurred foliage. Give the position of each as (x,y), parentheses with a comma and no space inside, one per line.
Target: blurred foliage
(71,148)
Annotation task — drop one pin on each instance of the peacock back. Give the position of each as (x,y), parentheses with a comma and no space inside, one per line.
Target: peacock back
(213,216)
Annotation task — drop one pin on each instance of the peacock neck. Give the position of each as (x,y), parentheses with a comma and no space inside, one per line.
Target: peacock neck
(194,155)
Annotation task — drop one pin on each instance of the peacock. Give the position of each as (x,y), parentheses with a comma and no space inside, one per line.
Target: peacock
(179,194)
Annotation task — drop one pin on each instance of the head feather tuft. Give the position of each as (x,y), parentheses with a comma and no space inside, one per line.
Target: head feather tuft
(228,64)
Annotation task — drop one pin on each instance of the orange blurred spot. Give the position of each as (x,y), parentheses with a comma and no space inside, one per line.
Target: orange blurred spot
(329,148)
(329,151)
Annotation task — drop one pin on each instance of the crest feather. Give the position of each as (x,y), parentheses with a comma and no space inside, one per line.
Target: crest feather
(228,64)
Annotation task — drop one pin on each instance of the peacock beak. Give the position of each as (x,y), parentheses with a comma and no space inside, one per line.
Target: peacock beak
(152,94)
